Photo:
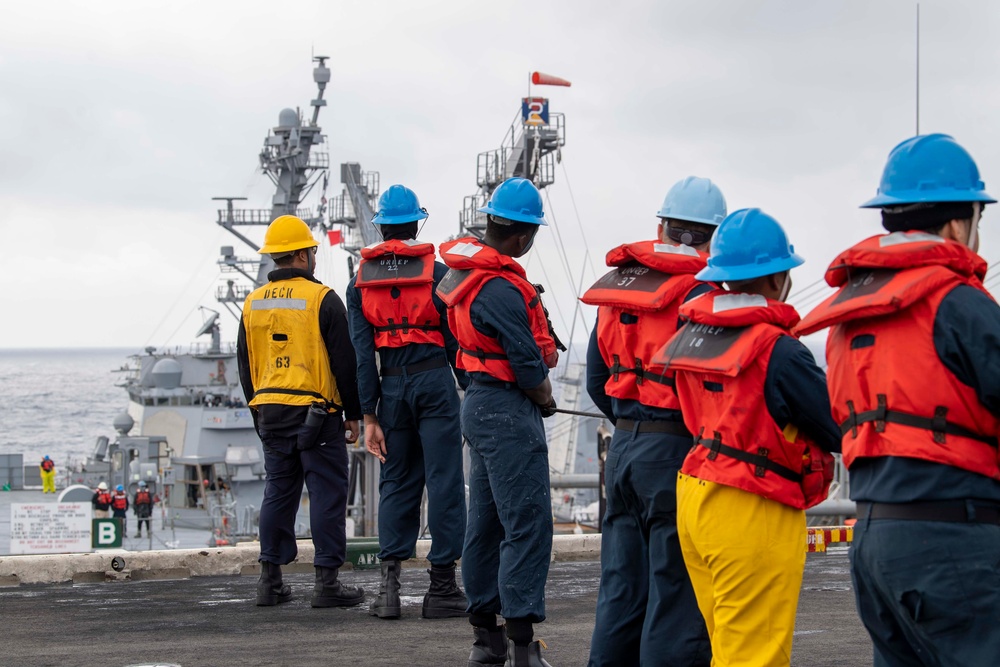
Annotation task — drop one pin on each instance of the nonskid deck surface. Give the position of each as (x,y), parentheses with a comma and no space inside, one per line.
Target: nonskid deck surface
(213,621)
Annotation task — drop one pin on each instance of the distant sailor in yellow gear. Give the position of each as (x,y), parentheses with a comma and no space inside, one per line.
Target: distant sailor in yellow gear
(297,368)
(47,468)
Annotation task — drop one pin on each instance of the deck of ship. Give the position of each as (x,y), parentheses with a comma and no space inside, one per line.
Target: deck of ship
(213,621)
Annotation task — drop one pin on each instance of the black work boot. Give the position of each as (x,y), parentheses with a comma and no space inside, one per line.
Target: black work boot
(444,599)
(329,592)
(525,656)
(386,605)
(489,648)
(270,589)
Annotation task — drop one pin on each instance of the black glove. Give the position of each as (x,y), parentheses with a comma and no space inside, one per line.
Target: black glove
(548,410)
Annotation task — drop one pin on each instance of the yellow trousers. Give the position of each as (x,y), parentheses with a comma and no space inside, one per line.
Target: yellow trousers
(745,555)
(49,481)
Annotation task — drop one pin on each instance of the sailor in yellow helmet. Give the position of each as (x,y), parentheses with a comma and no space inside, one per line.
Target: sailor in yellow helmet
(297,368)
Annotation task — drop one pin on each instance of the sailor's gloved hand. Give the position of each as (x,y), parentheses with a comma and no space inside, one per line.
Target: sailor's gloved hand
(549,409)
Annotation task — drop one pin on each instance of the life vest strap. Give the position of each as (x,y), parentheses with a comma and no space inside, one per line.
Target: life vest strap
(405,327)
(657,426)
(640,373)
(760,460)
(938,424)
(482,355)
(299,392)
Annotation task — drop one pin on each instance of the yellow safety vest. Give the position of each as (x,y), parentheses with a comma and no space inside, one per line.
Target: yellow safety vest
(289,364)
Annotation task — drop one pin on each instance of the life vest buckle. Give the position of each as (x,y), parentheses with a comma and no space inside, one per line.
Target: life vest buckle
(761,467)
(880,414)
(852,419)
(617,368)
(639,373)
(939,424)
(714,447)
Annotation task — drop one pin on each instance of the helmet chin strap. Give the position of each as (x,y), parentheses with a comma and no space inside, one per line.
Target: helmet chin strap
(974,226)
(786,287)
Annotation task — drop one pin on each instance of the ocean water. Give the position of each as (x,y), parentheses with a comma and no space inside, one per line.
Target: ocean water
(57,402)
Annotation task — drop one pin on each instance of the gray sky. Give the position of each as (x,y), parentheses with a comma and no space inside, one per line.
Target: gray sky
(121,120)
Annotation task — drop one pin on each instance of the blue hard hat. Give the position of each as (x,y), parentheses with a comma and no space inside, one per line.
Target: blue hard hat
(696,200)
(119,488)
(516,199)
(748,244)
(398,205)
(142,484)
(929,168)
(46,457)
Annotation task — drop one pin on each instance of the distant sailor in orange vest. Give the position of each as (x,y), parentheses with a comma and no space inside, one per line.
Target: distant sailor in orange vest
(101,500)
(506,347)
(412,414)
(647,613)
(757,405)
(914,371)
(47,468)
(119,507)
(142,505)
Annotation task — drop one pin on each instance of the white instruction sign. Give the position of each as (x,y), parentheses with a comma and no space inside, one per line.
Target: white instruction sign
(49,528)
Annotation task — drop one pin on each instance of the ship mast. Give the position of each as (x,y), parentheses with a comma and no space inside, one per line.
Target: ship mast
(292,159)
(530,149)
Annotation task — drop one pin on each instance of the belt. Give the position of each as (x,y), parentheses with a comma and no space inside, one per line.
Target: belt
(960,511)
(412,369)
(674,428)
(496,383)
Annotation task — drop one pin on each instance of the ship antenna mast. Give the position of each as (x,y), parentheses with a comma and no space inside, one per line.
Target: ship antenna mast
(918,68)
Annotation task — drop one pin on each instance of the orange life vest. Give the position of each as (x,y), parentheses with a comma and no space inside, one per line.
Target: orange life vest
(889,390)
(472,264)
(119,502)
(637,309)
(721,357)
(47,466)
(143,498)
(103,498)
(396,279)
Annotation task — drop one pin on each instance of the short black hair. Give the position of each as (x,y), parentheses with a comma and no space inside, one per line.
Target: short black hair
(403,232)
(501,229)
(930,217)
(286,260)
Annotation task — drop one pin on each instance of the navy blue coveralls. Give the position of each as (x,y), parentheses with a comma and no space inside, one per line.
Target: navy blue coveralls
(929,591)
(508,542)
(324,467)
(647,613)
(419,416)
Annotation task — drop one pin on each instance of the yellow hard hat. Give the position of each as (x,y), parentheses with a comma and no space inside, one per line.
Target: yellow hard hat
(287,234)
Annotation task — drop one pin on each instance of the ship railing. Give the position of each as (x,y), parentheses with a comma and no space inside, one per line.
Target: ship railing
(318,160)
(341,210)
(232,293)
(255,216)
(472,221)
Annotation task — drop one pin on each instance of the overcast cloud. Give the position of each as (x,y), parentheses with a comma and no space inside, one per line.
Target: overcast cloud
(121,120)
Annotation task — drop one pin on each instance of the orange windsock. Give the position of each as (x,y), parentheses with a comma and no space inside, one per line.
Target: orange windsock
(540,79)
